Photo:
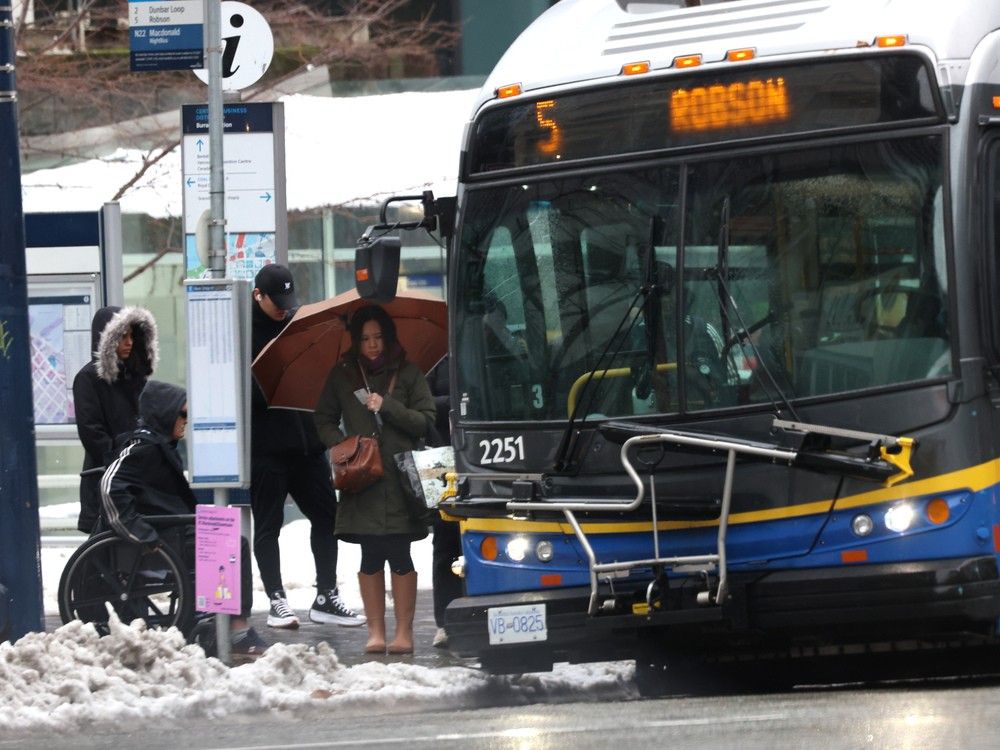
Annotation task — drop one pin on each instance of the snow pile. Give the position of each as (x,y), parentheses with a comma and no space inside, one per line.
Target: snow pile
(72,678)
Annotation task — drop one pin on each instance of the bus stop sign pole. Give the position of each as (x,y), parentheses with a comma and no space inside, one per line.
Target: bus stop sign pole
(217,223)
(20,564)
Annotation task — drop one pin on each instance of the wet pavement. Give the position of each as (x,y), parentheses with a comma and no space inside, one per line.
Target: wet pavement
(349,643)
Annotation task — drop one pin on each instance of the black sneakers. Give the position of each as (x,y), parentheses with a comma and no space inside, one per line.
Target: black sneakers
(281,615)
(329,608)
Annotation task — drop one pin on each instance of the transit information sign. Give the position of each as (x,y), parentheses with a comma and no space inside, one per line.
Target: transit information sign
(166,35)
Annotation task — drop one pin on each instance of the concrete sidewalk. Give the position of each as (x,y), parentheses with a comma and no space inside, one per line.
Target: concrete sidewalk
(349,643)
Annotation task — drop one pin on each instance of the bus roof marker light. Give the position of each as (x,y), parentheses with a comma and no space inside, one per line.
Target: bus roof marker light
(636,68)
(687,61)
(895,40)
(505,92)
(740,55)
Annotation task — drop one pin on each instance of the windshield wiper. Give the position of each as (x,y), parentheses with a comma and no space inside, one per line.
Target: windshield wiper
(743,333)
(649,291)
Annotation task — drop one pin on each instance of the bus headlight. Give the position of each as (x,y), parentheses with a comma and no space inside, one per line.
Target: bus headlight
(543,550)
(899,517)
(517,548)
(862,525)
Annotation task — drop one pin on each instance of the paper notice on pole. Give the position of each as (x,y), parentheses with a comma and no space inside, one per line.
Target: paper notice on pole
(217,559)
(214,397)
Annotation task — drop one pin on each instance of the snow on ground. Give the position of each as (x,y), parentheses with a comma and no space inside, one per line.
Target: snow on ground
(70,679)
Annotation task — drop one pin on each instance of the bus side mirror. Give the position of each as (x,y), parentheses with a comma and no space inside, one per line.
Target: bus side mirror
(376,268)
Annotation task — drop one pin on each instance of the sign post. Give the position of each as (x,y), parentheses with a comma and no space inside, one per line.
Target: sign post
(20,556)
(226,440)
(218,446)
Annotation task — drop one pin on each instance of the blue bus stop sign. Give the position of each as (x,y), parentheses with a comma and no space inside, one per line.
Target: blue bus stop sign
(166,35)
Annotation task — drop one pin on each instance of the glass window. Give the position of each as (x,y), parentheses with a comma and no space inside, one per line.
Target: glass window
(553,316)
(832,278)
(802,274)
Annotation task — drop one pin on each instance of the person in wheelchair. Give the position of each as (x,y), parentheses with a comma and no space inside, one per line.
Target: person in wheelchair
(147,479)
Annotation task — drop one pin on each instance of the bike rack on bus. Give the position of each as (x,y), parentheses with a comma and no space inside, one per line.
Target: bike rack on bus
(731,446)
(891,453)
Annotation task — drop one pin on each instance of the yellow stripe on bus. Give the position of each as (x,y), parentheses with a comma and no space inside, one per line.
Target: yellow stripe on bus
(973,479)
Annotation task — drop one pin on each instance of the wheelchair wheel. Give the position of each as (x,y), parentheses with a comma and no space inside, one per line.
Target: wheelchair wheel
(153,585)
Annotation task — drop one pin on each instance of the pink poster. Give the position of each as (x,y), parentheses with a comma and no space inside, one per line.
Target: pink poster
(217,559)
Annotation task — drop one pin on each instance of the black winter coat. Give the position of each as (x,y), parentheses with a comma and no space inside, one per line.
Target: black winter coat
(106,394)
(277,431)
(147,478)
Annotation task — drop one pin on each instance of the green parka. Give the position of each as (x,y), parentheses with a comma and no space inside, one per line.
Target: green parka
(406,413)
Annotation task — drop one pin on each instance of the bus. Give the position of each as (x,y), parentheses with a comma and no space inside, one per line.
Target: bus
(724,336)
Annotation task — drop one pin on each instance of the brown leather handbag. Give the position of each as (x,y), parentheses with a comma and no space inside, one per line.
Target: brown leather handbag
(357,463)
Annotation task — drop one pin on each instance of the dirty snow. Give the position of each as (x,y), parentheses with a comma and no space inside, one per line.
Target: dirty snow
(71,678)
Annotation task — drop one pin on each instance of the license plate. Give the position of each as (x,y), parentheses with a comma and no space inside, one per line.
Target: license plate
(520,624)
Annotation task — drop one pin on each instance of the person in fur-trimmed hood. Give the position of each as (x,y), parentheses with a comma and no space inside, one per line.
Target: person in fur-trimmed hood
(106,393)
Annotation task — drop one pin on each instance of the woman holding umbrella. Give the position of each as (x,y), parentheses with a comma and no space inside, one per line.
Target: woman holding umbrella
(375,390)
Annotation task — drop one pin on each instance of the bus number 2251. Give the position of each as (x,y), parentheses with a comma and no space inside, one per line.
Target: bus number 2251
(502,450)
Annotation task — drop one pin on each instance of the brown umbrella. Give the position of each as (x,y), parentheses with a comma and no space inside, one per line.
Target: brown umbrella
(293,367)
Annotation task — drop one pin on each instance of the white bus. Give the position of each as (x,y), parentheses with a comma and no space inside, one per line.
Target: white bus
(725,339)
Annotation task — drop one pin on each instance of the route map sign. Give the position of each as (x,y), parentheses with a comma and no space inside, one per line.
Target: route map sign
(253,151)
(166,35)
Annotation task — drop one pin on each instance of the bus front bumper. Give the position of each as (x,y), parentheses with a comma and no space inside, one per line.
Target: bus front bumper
(854,604)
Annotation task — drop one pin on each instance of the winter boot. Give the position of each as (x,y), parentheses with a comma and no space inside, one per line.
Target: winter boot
(404,602)
(373,597)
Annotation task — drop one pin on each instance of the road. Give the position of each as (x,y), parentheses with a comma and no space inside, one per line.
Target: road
(926,716)
(938,713)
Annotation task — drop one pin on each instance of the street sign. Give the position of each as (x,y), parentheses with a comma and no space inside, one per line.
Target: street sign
(248,46)
(218,350)
(166,35)
(254,154)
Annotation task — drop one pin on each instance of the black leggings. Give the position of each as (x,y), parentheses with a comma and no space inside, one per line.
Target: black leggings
(377,550)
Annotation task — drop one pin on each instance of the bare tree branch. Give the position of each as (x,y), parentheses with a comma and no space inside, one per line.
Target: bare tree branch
(147,161)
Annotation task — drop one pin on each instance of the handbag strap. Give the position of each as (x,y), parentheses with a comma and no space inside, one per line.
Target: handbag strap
(392,384)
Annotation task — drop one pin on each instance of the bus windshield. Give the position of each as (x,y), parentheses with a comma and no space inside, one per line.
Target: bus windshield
(707,284)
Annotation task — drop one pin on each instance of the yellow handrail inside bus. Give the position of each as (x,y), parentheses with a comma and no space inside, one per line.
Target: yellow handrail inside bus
(616,372)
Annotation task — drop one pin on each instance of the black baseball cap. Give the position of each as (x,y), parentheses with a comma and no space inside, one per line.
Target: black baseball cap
(277,283)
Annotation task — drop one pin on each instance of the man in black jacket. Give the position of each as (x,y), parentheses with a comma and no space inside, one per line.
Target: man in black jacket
(147,479)
(288,458)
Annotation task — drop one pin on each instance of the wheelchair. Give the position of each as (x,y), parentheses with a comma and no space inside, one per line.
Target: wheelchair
(137,581)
